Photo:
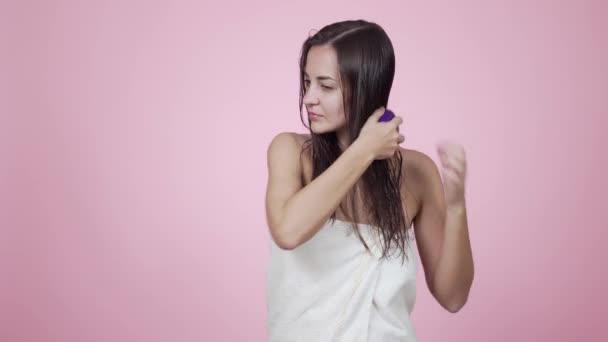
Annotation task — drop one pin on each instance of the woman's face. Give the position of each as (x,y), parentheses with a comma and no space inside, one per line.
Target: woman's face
(323,90)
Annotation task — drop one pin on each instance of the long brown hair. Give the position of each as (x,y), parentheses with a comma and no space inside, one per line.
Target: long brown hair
(367,66)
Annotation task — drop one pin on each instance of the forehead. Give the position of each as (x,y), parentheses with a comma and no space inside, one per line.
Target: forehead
(322,61)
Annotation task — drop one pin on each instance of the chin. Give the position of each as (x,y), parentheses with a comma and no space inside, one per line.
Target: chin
(320,130)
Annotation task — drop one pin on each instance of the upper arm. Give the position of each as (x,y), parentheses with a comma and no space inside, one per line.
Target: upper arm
(284,177)
(430,220)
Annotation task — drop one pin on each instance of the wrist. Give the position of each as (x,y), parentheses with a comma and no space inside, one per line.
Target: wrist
(362,149)
(458,208)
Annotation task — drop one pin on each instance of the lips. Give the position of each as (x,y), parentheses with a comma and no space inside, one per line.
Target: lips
(313,116)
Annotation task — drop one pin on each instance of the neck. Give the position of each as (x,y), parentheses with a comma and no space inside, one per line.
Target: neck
(343,140)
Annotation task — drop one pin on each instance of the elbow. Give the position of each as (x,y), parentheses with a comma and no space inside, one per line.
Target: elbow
(455,302)
(452,302)
(453,299)
(283,240)
(292,236)
(455,306)
(285,245)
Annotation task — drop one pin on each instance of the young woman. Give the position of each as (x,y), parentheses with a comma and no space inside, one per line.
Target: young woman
(348,208)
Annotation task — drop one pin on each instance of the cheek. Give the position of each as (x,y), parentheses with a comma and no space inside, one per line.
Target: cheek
(337,106)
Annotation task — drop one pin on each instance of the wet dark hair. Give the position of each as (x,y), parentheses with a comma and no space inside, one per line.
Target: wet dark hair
(366,61)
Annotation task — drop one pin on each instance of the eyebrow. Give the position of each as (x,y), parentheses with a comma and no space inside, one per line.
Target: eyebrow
(321,78)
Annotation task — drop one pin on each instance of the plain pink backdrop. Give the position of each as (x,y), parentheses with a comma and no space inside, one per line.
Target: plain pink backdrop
(133,141)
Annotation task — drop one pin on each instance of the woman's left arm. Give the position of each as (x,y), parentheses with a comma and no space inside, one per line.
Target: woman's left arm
(442,230)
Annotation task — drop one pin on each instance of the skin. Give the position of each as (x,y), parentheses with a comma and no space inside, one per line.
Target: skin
(436,206)
(324,93)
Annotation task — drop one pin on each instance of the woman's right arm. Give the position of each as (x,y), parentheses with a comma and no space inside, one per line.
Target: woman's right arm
(296,213)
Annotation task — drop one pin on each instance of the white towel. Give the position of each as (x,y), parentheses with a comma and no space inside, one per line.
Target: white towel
(332,289)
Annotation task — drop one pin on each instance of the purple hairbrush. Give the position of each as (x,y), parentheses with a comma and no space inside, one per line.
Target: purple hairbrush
(387,116)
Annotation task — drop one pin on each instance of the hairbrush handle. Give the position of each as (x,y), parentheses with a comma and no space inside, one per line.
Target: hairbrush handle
(387,116)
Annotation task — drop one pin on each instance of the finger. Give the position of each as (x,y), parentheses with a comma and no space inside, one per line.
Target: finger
(456,166)
(455,169)
(453,150)
(396,121)
(449,175)
(449,165)
(450,156)
(378,113)
(456,160)
(457,153)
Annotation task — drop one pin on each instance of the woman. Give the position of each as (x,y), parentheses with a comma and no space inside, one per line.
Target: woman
(346,203)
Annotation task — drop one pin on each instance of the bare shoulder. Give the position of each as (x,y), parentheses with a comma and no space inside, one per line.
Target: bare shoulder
(419,169)
(282,142)
(417,163)
(285,147)
(282,138)
(301,138)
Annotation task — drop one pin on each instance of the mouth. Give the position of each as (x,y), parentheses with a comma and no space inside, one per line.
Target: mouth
(314,116)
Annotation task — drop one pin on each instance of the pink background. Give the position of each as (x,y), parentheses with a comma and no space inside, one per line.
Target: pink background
(133,144)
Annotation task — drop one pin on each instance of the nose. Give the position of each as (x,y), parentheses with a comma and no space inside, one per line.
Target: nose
(310,97)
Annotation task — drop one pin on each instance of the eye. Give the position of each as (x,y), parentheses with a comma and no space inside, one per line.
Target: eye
(326,87)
